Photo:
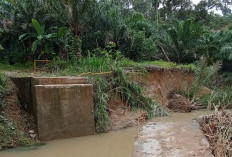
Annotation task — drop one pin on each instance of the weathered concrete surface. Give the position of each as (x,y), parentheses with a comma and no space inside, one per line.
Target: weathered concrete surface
(64,110)
(52,81)
(62,106)
(59,80)
(23,85)
(179,139)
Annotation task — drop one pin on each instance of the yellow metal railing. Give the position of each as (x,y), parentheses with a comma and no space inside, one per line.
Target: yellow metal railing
(35,61)
(91,73)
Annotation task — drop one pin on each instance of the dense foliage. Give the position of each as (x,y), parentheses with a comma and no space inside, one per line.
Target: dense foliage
(178,31)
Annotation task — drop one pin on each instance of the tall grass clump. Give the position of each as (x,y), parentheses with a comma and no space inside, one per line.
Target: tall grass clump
(205,74)
(119,85)
(101,88)
(218,96)
(132,93)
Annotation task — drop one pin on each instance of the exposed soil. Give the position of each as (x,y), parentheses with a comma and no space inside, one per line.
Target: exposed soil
(121,116)
(160,82)
(12,111)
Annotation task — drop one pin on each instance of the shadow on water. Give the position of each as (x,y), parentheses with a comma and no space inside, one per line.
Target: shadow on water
(26,148)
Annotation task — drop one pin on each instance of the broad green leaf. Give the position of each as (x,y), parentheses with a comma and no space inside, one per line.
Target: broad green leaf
(34,46)
(40,37)
(39,29)
(49,36)
(26,36)
(61,31)
(23,36)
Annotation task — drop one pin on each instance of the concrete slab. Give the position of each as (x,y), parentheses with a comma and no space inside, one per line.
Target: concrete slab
(171,139)
(59,80)
(64,110)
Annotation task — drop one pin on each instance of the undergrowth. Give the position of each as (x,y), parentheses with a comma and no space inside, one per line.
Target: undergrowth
(218,96)
(11,136)
(204,75)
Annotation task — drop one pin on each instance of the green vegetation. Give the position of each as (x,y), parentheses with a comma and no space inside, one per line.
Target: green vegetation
(218,97)
(140,30)
(87,37)
(118,85)
(11,135)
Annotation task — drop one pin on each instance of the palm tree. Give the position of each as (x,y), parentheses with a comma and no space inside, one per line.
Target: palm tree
(182,41)
(71,13)
(216,46)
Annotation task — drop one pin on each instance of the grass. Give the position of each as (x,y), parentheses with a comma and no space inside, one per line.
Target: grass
(218,96)
(101,88)
(58,67)
(158,63)
(119,85)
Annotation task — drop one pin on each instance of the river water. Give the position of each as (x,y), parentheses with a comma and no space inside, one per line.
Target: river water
(113,144)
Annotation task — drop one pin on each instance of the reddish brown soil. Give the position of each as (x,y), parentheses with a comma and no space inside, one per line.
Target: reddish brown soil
(159,83)
(13,112)
(121,116)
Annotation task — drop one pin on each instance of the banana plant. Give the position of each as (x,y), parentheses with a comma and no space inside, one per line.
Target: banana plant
(43,41)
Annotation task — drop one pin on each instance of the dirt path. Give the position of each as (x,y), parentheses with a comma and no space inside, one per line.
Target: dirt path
(181,138)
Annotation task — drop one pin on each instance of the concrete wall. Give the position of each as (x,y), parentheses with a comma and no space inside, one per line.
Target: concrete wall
(52,81)
(23,85)
(64,110)
(62,106)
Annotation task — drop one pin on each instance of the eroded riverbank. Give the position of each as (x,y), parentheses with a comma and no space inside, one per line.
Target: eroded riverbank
(113,144)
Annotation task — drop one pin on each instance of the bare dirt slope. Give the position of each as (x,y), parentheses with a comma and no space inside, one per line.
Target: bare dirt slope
(160,83)
(182,138)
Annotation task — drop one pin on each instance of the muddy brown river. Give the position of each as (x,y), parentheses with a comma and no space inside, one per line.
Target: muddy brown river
(113,144)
